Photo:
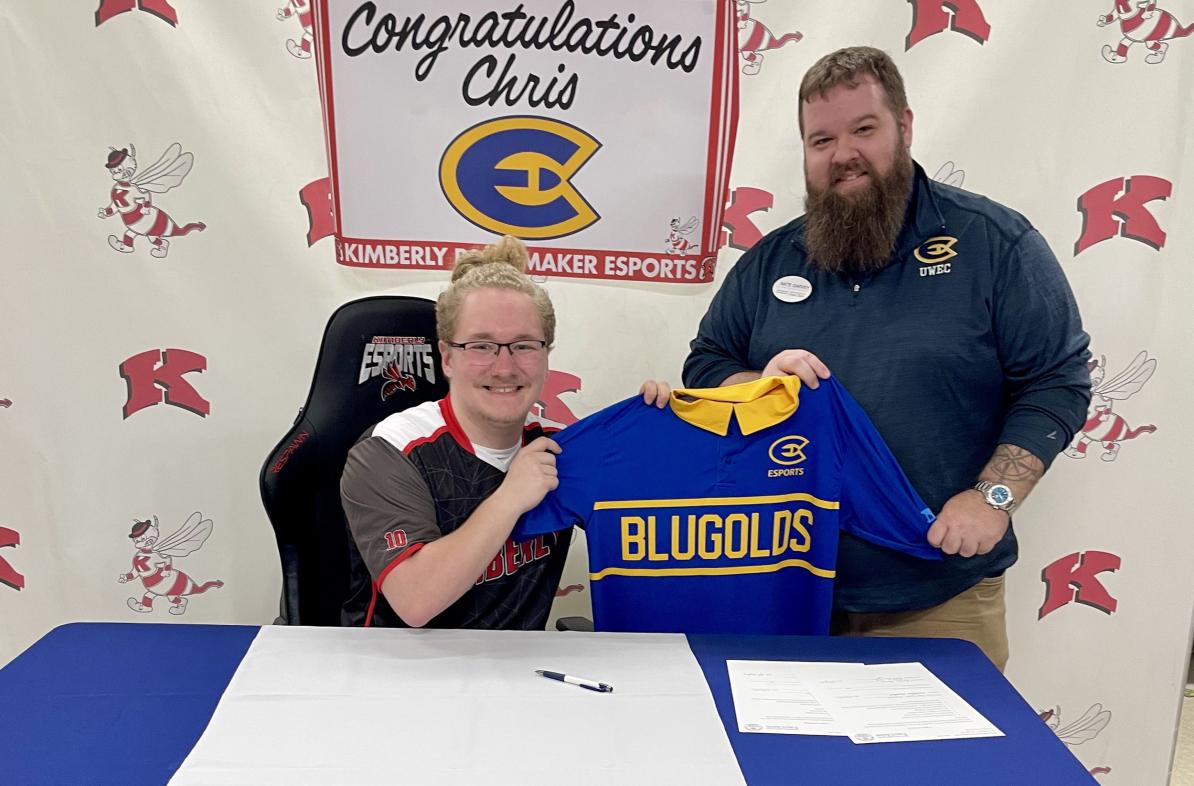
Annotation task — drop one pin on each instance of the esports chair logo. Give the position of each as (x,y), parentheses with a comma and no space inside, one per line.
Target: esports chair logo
(513,176)
(399,360)
(787,451)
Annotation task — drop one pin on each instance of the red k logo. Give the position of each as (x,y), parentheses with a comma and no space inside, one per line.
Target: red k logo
(549,404)
(930,17)
(1075,578)
(159,8)
(316,196)
(1118,207)
(742,230)
(154,376)
(8,575)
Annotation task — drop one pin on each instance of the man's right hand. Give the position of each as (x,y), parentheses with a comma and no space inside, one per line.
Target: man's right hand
(798,362)
(531,475)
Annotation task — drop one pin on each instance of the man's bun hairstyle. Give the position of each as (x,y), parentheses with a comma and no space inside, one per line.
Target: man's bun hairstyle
(501,265)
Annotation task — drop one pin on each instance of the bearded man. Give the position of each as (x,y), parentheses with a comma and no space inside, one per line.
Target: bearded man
(944,314)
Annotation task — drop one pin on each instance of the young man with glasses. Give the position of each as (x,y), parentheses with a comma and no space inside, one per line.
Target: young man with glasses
(431,493)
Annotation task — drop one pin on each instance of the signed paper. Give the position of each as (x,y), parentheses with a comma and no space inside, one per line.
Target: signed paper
(889,702)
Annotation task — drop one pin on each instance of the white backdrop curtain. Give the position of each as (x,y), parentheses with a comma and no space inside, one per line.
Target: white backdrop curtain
(1017,101)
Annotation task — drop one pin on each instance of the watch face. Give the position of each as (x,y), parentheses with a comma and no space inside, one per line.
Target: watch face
(1000,495)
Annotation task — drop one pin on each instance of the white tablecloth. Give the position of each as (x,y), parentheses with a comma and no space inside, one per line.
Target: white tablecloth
(355,706)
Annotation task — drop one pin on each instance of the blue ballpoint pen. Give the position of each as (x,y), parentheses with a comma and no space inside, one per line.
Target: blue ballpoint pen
(600,687)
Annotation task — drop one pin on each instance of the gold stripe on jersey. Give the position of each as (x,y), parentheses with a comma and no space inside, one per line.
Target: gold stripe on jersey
(715,571)
(622,504)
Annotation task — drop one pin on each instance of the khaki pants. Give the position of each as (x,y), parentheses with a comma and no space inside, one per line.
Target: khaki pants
(976,615)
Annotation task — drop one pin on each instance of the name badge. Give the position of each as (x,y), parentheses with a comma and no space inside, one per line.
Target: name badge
(792,289)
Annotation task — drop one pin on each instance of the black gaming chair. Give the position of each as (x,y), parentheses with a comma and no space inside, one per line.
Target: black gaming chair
(358,381)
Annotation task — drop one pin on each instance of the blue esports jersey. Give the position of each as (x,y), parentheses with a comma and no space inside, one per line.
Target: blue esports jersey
(720,514)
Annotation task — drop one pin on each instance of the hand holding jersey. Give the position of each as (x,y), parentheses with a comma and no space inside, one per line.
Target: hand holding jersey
(656,393)
(790,362)
(800,363)
(966,525)
(970,522)
(531,475)
(533,472)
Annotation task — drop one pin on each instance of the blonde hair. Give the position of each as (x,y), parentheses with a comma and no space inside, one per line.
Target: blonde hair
(846,67)
(501,265)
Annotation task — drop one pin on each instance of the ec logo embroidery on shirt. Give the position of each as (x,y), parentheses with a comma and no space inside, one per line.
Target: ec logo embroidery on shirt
(933,253)
(787,451)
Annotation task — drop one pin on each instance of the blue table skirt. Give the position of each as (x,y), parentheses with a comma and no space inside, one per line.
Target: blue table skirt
(109,703)
(123,703)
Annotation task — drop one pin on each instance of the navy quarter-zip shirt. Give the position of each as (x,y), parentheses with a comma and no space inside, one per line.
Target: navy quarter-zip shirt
(968,338)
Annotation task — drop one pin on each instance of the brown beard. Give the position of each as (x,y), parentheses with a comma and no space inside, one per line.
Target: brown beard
(857,233)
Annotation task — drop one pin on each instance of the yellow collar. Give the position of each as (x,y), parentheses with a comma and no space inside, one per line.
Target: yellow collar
(758,404)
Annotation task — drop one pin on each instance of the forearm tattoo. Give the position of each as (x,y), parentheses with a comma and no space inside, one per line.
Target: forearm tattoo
(1016,464)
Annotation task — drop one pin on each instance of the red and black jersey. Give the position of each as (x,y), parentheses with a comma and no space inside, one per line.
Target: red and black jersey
(416,477)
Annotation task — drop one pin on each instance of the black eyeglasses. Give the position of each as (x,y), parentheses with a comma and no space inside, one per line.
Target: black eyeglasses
(523,349)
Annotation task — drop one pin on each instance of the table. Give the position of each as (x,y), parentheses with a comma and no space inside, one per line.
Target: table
(110,703)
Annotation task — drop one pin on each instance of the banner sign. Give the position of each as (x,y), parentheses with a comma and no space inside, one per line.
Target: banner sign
(598,131)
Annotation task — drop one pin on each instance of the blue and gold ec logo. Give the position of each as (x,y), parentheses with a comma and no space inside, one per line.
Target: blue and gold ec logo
(513,176)
(788,450)
(936,249)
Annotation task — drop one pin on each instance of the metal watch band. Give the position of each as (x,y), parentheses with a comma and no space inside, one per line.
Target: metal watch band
(983,485)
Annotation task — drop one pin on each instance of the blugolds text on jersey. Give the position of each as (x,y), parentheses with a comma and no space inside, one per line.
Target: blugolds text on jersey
(738,535)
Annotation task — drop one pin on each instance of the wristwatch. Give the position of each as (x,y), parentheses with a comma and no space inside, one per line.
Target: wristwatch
(997,495)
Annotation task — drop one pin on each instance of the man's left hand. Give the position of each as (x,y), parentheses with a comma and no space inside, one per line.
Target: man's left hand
(967,525)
